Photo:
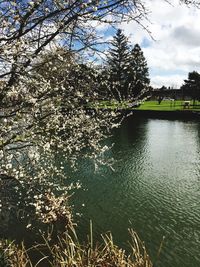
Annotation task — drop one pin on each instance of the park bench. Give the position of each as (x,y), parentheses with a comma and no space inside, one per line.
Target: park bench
(186,104)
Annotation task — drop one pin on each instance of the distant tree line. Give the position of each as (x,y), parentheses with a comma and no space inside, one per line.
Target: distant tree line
(190,89)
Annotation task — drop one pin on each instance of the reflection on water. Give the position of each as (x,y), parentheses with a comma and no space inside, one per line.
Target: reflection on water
(155,189)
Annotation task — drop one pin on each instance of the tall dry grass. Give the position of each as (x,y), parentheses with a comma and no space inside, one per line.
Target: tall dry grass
(67,251)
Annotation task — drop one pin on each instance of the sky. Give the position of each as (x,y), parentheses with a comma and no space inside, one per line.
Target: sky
(173,47)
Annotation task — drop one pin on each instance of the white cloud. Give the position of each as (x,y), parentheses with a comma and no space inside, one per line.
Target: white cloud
(173,80)
(186,35)
(176,47)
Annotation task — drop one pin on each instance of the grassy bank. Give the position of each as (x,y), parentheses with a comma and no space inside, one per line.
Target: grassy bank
(167,105)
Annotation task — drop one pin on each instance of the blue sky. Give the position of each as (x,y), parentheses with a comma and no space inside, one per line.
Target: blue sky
(173,48)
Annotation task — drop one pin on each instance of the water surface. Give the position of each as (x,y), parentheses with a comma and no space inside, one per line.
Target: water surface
(154,189)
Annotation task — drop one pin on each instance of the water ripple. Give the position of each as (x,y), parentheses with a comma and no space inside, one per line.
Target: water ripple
(156,186)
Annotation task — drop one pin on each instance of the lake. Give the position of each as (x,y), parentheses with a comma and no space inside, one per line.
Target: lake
(155,189)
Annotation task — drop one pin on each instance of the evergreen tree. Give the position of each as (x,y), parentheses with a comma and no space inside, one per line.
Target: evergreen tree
(191,87)
(138,74)
(118,63)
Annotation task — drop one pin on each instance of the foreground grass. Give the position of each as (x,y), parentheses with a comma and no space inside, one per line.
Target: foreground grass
(68,252)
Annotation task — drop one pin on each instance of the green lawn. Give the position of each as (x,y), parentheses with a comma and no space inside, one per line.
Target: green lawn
(167,105)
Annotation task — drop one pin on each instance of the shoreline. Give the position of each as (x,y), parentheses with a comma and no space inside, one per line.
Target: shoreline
(158,114)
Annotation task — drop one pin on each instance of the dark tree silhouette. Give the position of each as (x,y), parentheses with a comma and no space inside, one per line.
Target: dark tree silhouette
(191,87)
(118,65)
(139,73)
